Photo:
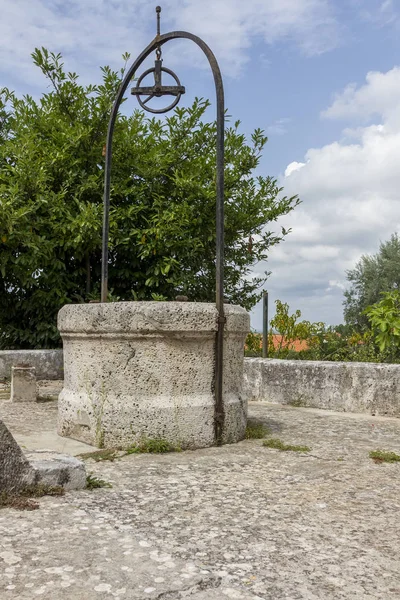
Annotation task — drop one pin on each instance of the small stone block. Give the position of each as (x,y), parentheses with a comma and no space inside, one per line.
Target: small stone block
(23,384)
(54,469)
(15,470)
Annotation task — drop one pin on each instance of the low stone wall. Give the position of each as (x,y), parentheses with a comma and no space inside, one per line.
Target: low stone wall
(48,363)
(341,386)
(348,387)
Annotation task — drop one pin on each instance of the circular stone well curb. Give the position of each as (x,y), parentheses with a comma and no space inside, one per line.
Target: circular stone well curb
(137,370)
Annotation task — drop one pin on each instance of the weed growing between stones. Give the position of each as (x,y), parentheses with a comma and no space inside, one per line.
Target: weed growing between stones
(93,483)
(380,456)
(299,402)
(22,500)
(40,489)
(100,455)
(152,446)
(279,445)
(143,446)
(256,430)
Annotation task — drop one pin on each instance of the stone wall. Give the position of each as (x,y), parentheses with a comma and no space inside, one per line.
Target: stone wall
(341,386)
(48,363)
(349,387)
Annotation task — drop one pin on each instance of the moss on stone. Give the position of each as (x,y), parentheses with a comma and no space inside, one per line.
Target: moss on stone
(256,430)
(279,445)
(380,456)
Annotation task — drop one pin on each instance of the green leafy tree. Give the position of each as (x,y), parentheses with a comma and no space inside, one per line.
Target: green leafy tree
(291,330)
(371,276)
(162,218)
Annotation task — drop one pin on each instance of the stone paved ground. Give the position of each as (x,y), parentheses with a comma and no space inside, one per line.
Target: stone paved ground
(242,521)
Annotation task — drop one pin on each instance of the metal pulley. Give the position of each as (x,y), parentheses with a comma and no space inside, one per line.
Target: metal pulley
(158,89)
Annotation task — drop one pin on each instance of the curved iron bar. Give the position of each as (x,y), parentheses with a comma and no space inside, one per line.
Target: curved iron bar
(159,41)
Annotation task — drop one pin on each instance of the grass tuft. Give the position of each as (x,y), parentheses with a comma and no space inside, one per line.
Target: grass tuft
(380,456)
(40,489)
(143,446)
(299,402)
(94,483)
(256,430)
(279,445)
(152,446)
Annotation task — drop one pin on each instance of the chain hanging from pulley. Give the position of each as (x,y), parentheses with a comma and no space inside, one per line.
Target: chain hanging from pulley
(158,89)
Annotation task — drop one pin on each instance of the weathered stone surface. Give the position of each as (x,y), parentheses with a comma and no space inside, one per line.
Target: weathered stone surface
(15,470)
(240,522)
(135,369)
(342,386)
(23,384)
(48,363)
(55,469)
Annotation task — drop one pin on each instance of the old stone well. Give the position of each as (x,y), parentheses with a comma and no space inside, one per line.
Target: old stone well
(135,370)
(170,370)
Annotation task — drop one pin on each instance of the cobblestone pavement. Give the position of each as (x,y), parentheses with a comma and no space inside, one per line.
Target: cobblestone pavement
(242,521)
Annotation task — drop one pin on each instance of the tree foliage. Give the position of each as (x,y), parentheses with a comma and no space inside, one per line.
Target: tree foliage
(290,330)
(384,317)
(322,342)
(162,220)
(371,276)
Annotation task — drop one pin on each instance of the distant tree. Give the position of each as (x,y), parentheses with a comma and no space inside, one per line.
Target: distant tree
(371,276)
(162,218)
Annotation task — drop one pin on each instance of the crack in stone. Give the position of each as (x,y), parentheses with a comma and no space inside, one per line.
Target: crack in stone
(203,584)
(131,355)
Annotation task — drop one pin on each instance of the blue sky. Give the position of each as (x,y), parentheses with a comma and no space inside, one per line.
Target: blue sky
(320,76)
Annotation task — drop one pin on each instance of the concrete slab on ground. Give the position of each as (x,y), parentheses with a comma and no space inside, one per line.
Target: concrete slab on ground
(243,521)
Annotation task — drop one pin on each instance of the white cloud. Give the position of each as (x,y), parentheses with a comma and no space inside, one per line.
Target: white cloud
(96,32)
(380,96)
(292,167)
(350,200)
